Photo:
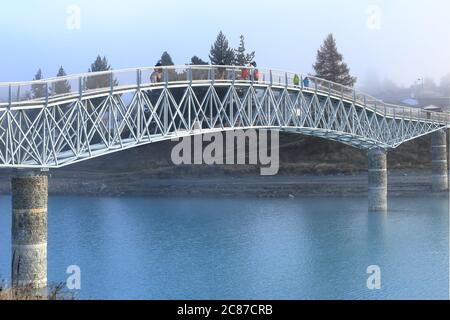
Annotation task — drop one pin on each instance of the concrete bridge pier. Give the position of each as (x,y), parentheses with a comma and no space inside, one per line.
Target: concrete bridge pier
(439,161)
(29,230)
(377,180)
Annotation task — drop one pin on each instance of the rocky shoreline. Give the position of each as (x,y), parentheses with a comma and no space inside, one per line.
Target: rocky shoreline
(401,182)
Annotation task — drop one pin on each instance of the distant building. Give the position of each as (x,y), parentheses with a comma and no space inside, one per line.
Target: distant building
(435,101)
(433,108)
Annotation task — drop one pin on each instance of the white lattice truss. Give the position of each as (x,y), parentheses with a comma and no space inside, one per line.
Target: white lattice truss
(59,130)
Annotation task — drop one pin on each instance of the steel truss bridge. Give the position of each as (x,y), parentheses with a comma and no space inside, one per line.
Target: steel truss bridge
(57,122)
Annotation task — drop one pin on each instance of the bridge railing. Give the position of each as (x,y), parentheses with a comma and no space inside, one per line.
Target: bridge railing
(383,108)
(37,93)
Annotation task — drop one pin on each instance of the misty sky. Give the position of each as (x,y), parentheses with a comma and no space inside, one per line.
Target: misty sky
(399,39)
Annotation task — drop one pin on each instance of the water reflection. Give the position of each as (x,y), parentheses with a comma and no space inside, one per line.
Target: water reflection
(312,248)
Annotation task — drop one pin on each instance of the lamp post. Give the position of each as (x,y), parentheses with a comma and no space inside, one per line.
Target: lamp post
(421,90)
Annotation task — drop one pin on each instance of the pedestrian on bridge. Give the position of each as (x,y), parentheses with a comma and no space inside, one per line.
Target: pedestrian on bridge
(254,71)
(306,82)
(245,74)
(296,80)
(156,76)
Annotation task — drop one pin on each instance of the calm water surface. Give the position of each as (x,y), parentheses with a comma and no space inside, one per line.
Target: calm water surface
(312,248)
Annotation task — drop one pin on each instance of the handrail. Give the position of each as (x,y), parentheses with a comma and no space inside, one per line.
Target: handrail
(17,93)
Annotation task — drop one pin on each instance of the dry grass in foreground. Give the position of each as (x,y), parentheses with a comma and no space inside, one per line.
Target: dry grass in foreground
(55,292)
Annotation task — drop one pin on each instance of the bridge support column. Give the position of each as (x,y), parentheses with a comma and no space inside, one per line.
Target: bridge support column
(29,230)
(377,180)
(439,161)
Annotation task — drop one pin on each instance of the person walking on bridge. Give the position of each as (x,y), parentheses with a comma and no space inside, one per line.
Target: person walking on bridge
(306,82)
(296,81)
(245,74)
(254,72)
(156,76)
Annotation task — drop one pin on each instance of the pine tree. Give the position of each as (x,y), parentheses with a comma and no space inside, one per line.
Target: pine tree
(221,53)
(242,58)
(196,61)
(330,65)
(38,89)
(99,81)
(166,59)
(62,86)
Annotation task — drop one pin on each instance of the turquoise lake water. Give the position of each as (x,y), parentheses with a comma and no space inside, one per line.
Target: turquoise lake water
(180,248)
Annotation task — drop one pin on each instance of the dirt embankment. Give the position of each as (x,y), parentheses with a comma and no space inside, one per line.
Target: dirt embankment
(307,166)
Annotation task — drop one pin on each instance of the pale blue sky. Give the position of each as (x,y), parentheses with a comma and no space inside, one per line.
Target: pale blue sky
(413,38)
